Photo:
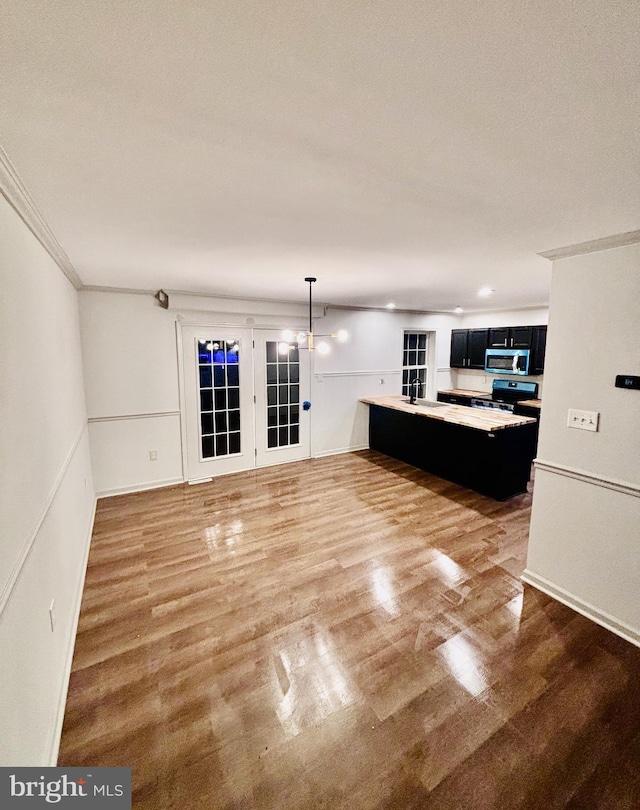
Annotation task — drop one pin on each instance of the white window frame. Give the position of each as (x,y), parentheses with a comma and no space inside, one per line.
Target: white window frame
(420,370)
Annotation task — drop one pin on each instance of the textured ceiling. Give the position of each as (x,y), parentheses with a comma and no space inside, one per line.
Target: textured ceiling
(398,151)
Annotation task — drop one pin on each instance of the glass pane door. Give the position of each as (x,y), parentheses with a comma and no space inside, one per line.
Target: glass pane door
(218,378)
(281,387)
(219,393)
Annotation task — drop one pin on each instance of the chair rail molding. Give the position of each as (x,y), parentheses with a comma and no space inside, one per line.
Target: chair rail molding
(626,487)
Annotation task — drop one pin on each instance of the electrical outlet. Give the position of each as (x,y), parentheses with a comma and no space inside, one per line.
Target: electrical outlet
(583,420)
(153,455)
(52,615)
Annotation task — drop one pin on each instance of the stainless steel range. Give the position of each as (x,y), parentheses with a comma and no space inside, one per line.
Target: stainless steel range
(505,394)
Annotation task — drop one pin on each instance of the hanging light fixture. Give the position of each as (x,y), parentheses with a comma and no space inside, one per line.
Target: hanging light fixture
(289,338)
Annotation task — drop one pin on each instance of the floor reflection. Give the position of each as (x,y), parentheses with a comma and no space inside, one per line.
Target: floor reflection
(465,664)
(223,537)
(383,590)
(310,683)
(451,573)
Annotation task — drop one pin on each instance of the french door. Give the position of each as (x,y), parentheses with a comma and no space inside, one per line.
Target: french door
(243,400)
(218,398)
(281,388)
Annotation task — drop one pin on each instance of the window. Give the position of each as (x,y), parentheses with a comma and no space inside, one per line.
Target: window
(219,389)
(414,362)
(283,395)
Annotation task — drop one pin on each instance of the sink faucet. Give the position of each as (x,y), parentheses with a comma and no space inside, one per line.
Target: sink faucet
(414,386)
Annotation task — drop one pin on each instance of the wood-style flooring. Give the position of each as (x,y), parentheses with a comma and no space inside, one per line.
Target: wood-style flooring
(345,632)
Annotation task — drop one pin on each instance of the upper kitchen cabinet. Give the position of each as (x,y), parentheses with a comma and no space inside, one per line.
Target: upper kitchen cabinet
(538,349)
(468,348)
(511,337)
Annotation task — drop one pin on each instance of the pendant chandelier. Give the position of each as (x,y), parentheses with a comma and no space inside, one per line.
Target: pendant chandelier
(307,339)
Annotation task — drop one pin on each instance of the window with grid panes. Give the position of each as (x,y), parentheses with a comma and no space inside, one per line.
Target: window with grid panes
(414,361)
(219,389)
(283,394)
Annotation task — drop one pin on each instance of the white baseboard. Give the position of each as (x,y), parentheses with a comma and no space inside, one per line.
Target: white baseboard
(70,644)
(340,450)
(169,482)
(600,617)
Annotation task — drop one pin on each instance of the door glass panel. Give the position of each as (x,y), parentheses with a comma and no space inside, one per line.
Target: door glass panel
(219,390)
(283,394)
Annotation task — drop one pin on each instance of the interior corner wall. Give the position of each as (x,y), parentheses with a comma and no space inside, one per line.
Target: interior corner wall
(131,382)
(46,493)
(584,545)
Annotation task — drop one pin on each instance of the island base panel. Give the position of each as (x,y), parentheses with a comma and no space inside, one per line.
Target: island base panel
(496,463)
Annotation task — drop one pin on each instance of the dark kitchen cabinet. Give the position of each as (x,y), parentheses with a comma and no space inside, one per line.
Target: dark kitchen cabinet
(510,337)
(477,347)
(468,348)
(538,349)
(499,338)
(531,411)
(458,348)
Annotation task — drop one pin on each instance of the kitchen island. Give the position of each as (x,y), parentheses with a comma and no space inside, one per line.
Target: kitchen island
(487,451)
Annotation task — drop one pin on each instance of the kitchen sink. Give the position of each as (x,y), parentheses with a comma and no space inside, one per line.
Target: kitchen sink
(428,403)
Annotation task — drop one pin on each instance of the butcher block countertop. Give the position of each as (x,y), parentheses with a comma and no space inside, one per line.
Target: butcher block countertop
(477,418)
(465,392)
(531,403)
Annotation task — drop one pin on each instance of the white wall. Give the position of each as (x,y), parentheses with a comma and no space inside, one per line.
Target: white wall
(476,379)
(369,364)
(585,536)
(131,375)
(131,380)
(46,491)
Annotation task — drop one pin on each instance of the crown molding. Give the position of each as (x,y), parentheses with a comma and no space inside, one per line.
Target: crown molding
(16,194)
(595,245)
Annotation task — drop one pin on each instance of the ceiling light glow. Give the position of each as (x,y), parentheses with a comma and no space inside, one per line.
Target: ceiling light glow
(485,292)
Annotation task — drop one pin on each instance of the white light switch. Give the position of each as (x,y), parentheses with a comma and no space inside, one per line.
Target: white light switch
(153,455)
(583,420)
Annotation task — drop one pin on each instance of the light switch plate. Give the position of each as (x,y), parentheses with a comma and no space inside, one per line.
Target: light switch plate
(583,420)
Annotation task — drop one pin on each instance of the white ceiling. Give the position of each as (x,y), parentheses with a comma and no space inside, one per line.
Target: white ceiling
(409,151)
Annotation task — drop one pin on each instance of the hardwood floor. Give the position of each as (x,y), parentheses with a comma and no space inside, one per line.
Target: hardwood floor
(345,632)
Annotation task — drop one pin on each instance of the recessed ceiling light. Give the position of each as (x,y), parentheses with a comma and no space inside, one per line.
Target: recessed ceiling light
(485,292)
(391,305)
(458,310)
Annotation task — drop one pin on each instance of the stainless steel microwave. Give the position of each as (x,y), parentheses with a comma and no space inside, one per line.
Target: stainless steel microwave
(507,361)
